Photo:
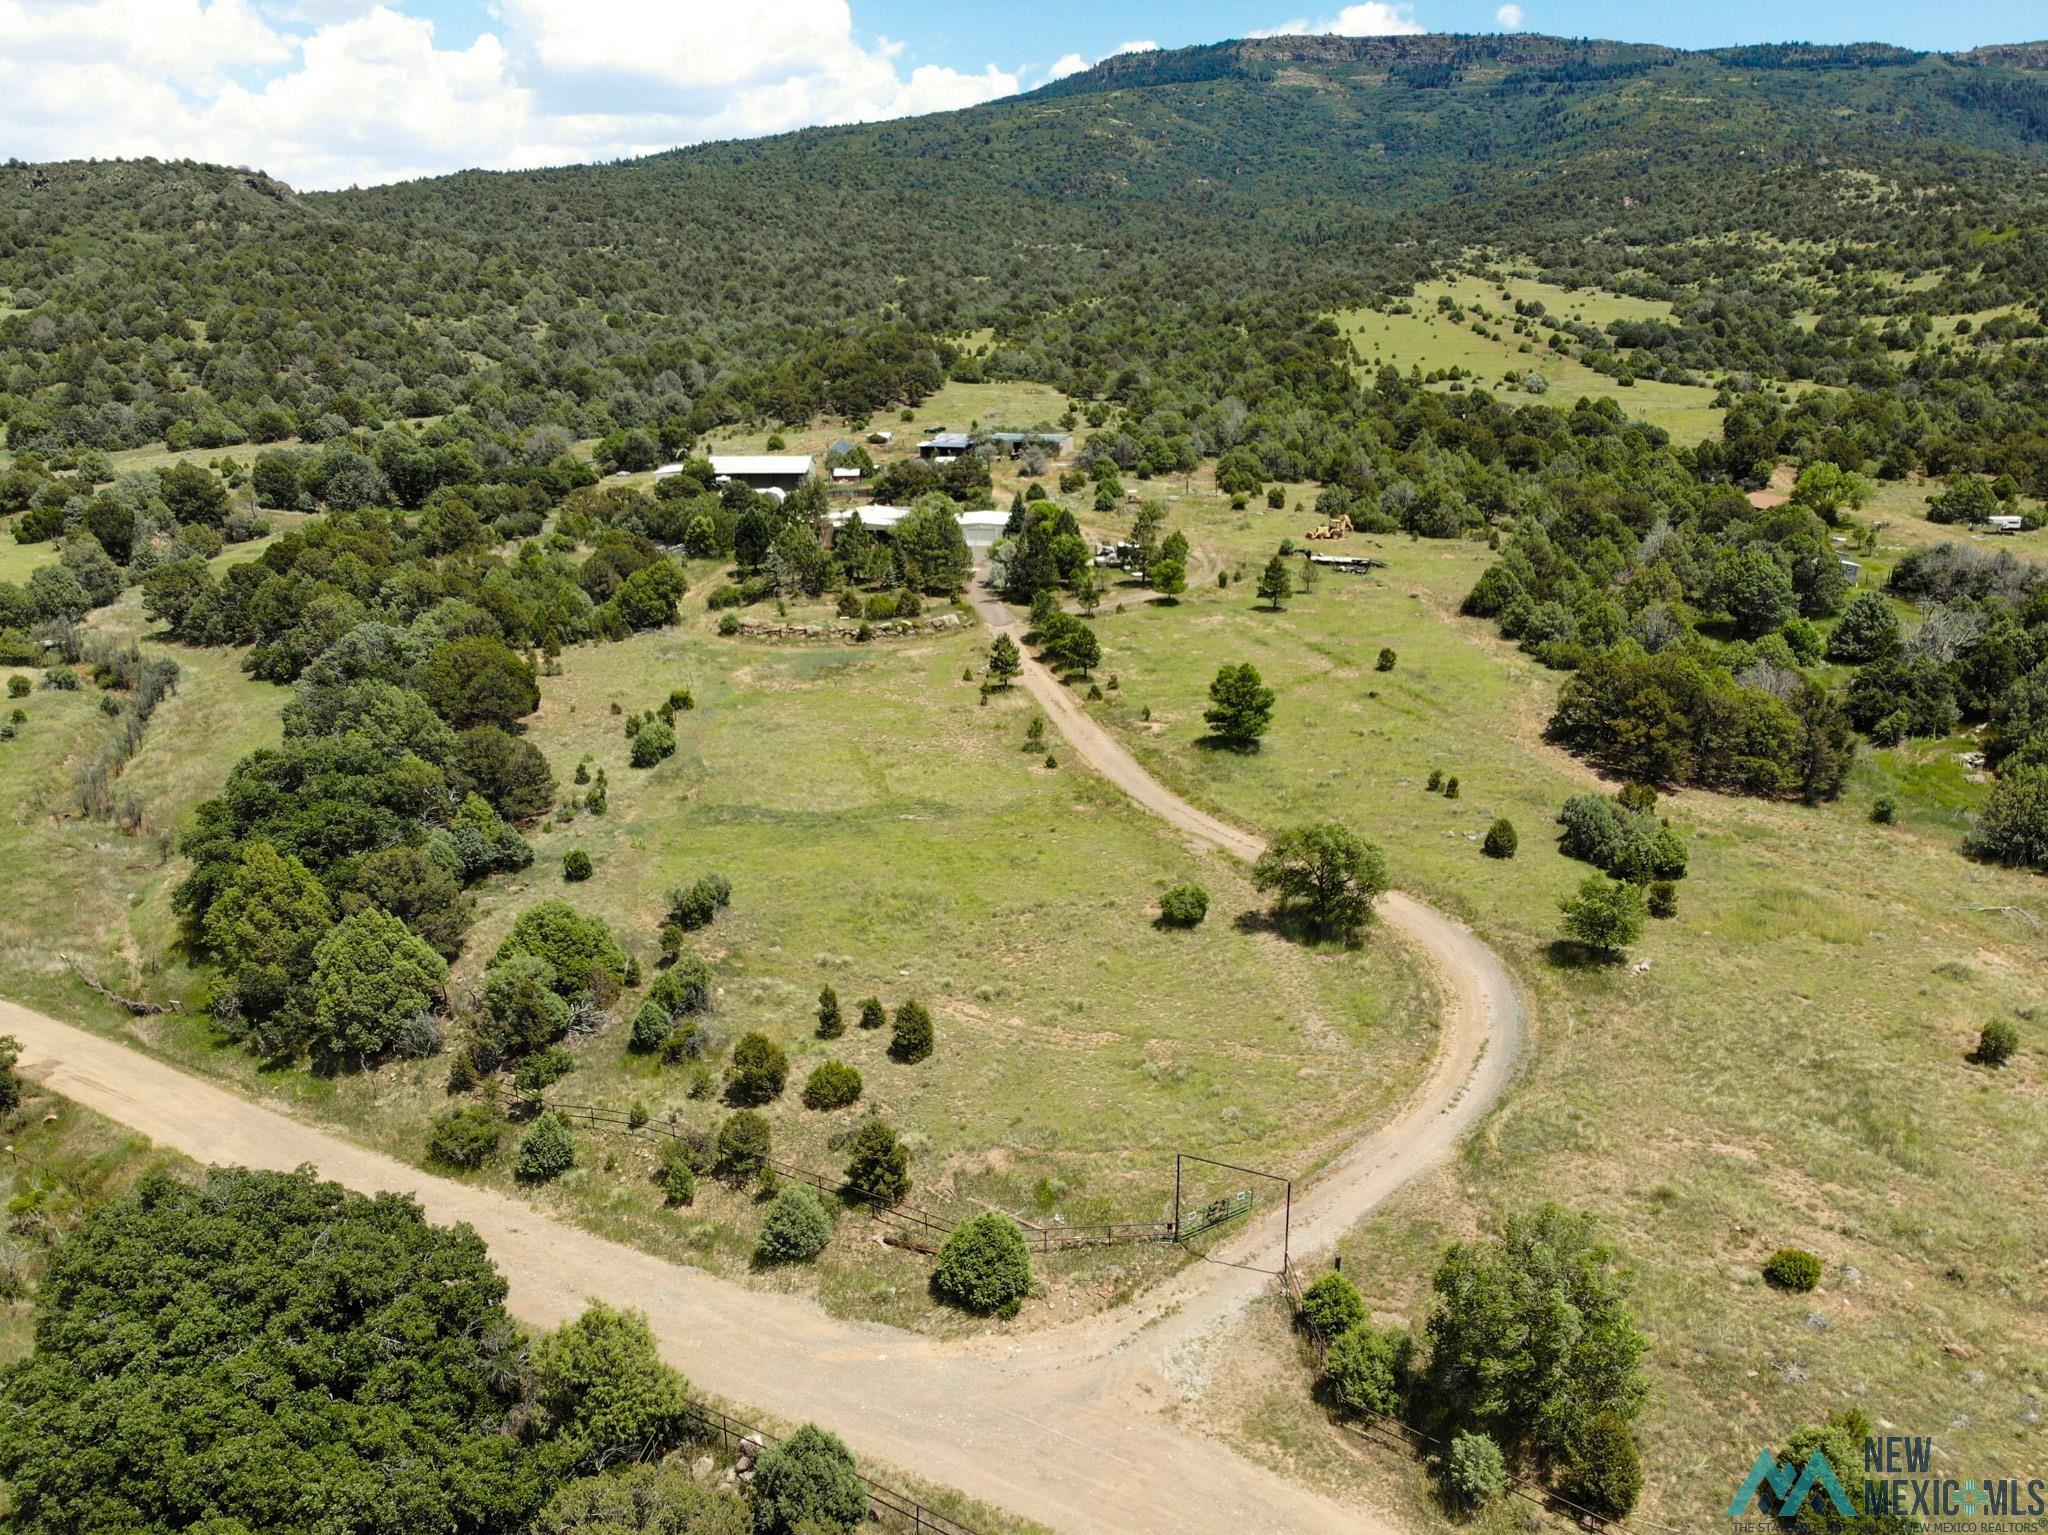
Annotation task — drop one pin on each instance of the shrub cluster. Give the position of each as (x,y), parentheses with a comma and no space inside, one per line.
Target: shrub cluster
(1792,1268)
(1184,906)
(831,1085)
(1620,839)
(984,1266)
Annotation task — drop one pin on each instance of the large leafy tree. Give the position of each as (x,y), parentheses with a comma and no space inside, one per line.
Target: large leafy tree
(1606,915)
(1275,585)
(479,681)
(410,885)
(643,1500)
(808,1482)
(371,977)
(1825,489)
(578,947)
(2013,827)
(606,1393)
(1531,1335)
(505,769)
(984,1266)
(1867,629)
(879,1166)
(1326,876)
(1070,644)
(267,1352)
(1753,589)
(262,929)
(931,551)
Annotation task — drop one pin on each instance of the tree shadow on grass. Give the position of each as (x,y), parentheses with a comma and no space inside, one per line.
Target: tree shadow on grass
(1231,744)
(1295,929)
(1570,954)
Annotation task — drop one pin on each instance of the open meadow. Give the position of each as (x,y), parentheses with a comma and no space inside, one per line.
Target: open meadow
(884,834)
(1783,1064)
(1482,341)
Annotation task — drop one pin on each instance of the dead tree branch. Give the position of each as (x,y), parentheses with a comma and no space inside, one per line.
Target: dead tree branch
(133,1005)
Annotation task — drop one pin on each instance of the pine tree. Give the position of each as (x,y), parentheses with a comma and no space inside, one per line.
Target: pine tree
(1005,661)
(1240,706)
(1274,586)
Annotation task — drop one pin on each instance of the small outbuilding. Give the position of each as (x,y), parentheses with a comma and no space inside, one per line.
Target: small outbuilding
(1054,443)
(947,446)
(762,471)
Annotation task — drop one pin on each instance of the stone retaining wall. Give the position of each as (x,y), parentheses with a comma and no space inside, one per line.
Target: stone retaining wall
(848,629)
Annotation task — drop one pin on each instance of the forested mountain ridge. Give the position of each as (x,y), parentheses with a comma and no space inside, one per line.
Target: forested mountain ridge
(1165,240)
(1246,185)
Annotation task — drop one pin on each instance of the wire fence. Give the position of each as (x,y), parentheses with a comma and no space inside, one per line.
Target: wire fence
(1381,1428)
(1043,1239)
(21,1159)
(886,1506)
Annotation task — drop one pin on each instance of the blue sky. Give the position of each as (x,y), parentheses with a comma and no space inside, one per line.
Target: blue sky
(328,93)
(966,34)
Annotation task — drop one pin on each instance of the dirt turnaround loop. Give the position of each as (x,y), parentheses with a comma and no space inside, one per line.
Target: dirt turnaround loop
(1072,1426)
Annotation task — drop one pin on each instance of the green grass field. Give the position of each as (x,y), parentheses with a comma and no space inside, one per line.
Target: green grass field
(1789,1069)
(1431,341)
(80,887)
(1899,509)
(19,561)
(884,834)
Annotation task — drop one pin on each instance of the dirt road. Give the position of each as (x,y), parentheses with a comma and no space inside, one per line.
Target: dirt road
(1067,1425)
(1477,1052)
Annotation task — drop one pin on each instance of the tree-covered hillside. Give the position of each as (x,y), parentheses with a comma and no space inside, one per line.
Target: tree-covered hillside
(1842,248)
(1161,225)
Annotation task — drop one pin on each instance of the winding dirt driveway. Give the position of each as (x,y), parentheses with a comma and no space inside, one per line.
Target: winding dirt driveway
(1070,1426)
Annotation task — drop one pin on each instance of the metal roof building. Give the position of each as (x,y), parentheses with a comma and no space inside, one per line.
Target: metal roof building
(763,471)
(981,529)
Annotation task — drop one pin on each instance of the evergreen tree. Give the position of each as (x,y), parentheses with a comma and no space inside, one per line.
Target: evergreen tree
(1240,706)
(1005,662)
(879,1166)
(1275,586)
(912,1039)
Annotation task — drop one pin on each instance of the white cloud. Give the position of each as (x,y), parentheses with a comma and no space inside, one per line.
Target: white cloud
(328,92)
(180,42)
(375,99)
(370,98)
(1066,64)
(1148,46)
(688,45)
(1509,16)
(1373,19)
